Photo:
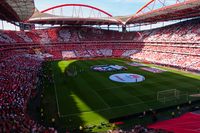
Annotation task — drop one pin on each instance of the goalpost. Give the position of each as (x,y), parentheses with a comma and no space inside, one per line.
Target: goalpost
(168,95)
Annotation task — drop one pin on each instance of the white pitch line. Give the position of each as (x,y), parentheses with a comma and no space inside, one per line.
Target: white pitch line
(85,112)
(108,88)
(100,98)
(117,107)
(55,89)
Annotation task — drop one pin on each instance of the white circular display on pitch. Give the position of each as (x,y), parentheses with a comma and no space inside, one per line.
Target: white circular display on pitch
(127,78)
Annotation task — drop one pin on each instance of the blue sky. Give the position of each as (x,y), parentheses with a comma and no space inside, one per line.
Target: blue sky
(114,7)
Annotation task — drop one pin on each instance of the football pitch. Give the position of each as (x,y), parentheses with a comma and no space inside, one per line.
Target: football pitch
(88,97)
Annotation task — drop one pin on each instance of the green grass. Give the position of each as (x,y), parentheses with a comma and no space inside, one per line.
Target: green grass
(91,98)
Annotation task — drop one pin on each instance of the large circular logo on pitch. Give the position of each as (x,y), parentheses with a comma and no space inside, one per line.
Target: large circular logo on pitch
(127,78)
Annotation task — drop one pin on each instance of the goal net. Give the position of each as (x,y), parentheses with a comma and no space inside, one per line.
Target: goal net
(168,95)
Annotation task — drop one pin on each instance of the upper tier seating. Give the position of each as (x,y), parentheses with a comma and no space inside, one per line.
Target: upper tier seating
(188,31)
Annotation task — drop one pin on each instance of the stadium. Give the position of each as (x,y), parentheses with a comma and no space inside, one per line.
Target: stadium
(75,67)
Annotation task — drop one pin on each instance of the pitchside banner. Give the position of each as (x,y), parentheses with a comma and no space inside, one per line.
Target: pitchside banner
(68,54)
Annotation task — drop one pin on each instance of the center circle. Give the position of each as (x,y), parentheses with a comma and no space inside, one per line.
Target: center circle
(127,78)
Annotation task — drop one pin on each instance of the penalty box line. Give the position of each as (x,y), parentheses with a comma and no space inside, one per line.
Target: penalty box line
(104,102)
(55,89)
(107,108)
(117,107)
(109,88)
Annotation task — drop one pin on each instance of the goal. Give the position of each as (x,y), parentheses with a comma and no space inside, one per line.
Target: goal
(168,95)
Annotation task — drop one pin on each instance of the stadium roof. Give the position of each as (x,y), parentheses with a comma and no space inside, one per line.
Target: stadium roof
(181,10)
(95,17)
(16,10)
(21,10)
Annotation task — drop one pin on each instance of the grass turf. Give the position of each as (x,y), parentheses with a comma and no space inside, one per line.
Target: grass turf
(91,98)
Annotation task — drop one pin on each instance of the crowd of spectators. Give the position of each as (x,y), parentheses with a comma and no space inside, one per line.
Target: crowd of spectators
(182,61)
(18,78)
(5,38)
(24,37)
(183,32)
(187,31)
(177,45)
(180,57)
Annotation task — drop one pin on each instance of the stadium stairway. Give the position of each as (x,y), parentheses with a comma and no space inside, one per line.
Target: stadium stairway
(187,123)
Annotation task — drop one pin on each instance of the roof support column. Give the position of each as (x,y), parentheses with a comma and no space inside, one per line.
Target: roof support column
(124,28)
(2,25)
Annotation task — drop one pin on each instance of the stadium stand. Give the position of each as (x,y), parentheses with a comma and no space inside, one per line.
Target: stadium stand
(176,45)
(17,85)
(179,41)
(22,54)
(187,123)
(187,31)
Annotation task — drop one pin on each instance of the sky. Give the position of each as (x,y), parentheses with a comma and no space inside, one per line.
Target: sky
(114,7)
